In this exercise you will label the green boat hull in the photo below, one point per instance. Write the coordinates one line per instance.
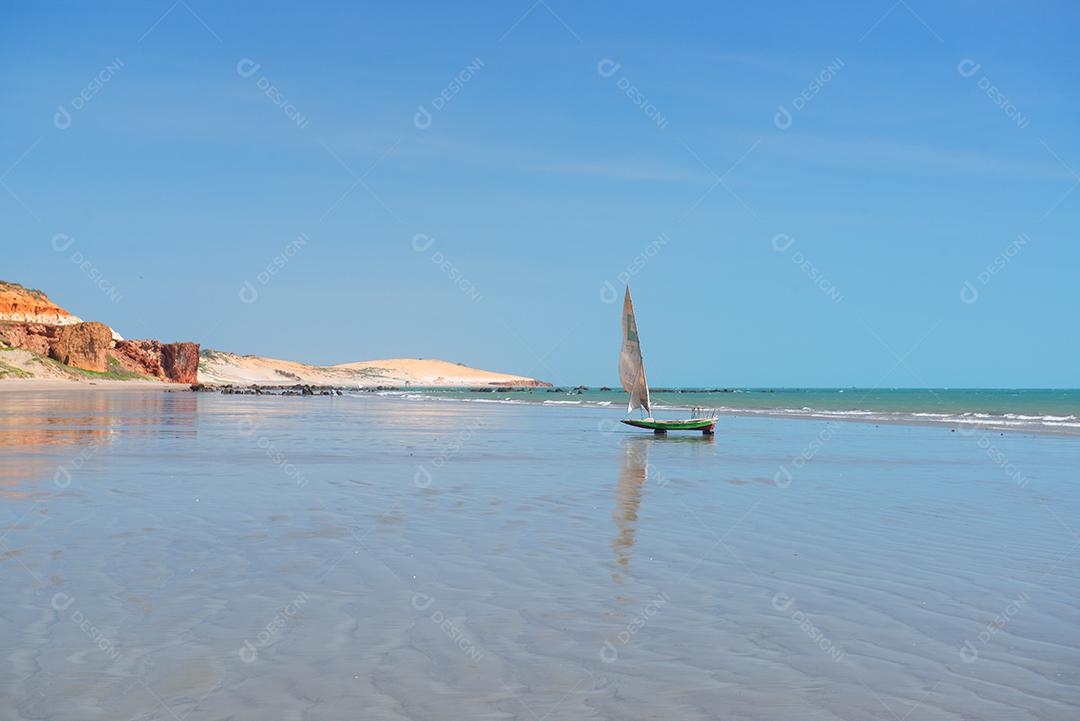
(705, 425)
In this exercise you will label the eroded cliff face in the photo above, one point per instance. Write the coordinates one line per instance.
(176, 362)
(34, 337)
(30, 321)
(83, 345)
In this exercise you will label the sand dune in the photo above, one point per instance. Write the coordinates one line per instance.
(32, 353)
(220, 367)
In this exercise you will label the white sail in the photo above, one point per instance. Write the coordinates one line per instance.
(631, 367)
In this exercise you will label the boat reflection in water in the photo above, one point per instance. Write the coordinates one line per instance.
(634, 471)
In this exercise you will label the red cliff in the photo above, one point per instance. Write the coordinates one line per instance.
(27, 305)
(83, 345)
(30, 321)
(176, 362)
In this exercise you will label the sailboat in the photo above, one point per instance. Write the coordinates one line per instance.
(632, 376)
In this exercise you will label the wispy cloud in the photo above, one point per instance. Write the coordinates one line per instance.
(883, 154)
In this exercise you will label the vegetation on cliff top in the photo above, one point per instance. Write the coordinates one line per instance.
(17, 286)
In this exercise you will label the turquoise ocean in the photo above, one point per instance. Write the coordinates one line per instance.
(1033, 410)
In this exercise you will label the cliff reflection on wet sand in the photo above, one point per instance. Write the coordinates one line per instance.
(51, 430)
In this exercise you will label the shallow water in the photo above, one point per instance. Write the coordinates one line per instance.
(193, 556)
(1027, 410)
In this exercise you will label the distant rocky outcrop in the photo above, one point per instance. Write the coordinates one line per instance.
(32, 322)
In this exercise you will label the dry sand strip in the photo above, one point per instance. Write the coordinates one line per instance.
(220, 368)
(28, 373)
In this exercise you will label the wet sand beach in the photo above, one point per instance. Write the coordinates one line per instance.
(196, 556)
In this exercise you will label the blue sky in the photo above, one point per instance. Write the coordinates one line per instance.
(926, 156)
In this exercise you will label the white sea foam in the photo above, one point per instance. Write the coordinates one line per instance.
(1005, 421)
